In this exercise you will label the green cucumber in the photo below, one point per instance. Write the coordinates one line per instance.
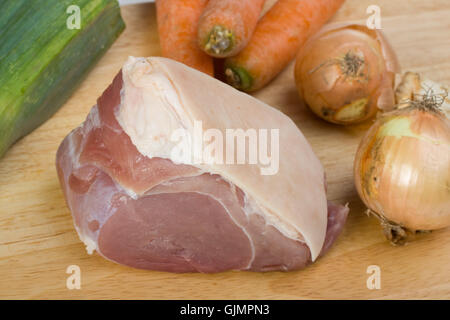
(43, 58)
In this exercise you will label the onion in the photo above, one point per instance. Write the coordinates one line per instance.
(412, 86)
(346, 73)
(402, 167)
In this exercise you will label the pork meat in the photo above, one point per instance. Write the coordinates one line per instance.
(136, 204)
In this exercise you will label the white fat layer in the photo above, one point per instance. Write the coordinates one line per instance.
(150, 116)
(151, 111)
(252, 207)
(90, 244)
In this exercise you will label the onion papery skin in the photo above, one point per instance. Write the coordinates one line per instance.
(402, 169)
(343, 95)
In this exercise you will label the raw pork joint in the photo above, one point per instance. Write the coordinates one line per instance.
(135, 205)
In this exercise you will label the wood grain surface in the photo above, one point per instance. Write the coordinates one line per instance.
(38, 241)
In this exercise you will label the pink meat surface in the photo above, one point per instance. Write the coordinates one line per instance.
(151, 213)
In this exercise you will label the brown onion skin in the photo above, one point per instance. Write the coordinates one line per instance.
(403, 174)
(327, 89)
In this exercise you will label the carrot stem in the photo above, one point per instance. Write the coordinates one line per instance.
(238, 77)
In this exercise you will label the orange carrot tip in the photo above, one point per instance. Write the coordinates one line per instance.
(177, 27)
(220, 41)
(226, 26)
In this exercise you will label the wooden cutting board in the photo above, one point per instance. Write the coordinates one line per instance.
(38, 241)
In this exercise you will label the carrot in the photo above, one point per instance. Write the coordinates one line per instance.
(177, 28)
(226, 26)
(276, 40)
